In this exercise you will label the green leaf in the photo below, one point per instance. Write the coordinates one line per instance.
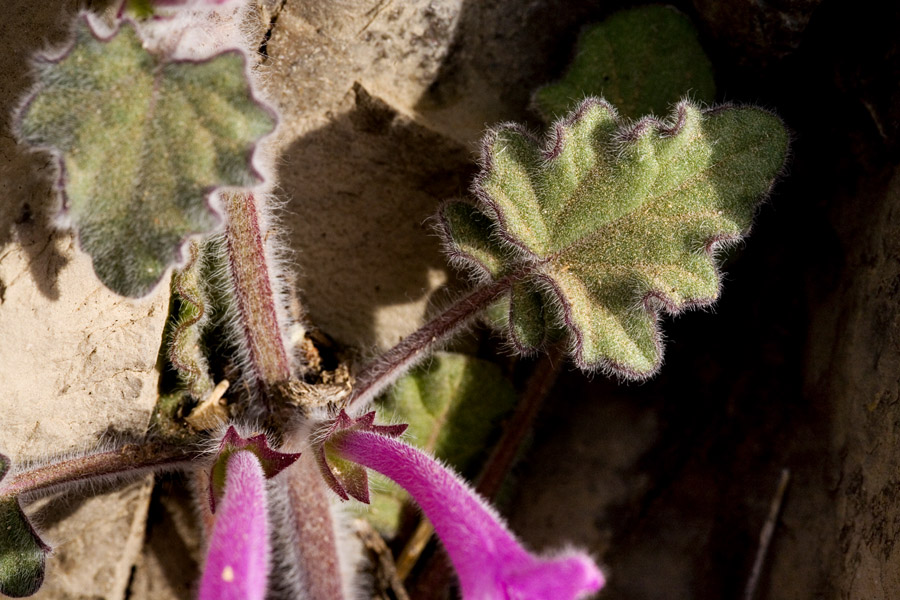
(528, 315)
(614, 222)
(22, 553)
(142, 142)
(642, 60)
(453, 405)
(186, 352)
(473, 244)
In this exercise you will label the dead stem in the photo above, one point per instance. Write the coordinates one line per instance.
(387, 574)
(765, 536)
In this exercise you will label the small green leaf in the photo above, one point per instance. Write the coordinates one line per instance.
(142, 141)
(22, 553)
(453, 405)
(642, 60)
(184, 335)
(615, 222)
(497, 314)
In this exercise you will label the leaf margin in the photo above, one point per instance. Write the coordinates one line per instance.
(654, 303)
(257, 168)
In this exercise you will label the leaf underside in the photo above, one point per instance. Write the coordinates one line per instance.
(22, 553)
(642, 60)
(142, 142)
(607, 223)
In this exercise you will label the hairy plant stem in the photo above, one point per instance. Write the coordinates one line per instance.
(126, 461)
(415, 347)
(309, 540)
(253, 292)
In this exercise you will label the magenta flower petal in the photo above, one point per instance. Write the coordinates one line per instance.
(490, 562)
(237, 562)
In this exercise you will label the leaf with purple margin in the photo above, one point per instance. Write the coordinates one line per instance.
(141, 142)
(474, 247)
(612, 222)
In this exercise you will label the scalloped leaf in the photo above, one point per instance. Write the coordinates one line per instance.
(612, 222)
(142, 142)
(642, 60)
(23, 554)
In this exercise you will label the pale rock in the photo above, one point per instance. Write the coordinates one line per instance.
(76, 361)
(361, 171)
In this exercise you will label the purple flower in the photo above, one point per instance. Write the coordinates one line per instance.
(490, 562)
(346, 478)
(237, 561)
(272, 461)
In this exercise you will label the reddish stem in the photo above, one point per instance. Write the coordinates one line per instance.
(126, 461)
(520, 425)
(313, 545)
(381, 373)
(253, 292)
